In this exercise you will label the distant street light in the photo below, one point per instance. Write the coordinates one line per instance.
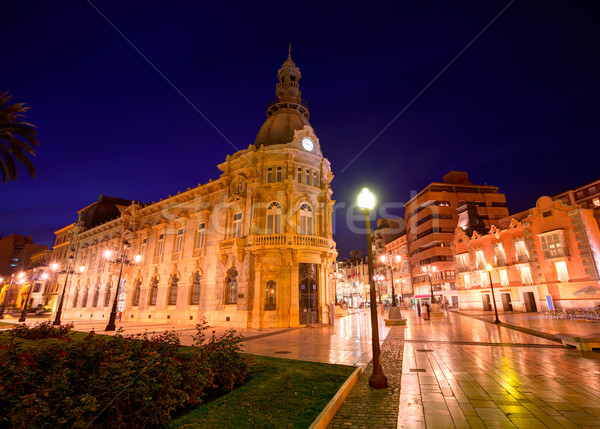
(33, 278)
(387, 260)
(489, 268)
(366, 202)
(67, 270)
(120, 260)
(12, 280)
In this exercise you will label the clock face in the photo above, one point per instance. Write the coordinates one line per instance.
(307, 144)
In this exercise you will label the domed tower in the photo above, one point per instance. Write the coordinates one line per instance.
(290, 234)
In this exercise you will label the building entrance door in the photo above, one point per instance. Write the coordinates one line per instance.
(308, 292)
(487, 303)
(530, 305)
(506, 302)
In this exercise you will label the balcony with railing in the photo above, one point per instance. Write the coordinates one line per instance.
(522, 259)
(462, 268)
(557, 252)
(289, 240)
(500, 262)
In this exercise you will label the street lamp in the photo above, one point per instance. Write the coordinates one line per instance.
(394, 316)
(489, 268)
(67, 270)
(12, 280)
(387, 260)
(366, 202)
(33, 278)
(430, 270)
(119, 260)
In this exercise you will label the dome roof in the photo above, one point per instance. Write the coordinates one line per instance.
(279, 128)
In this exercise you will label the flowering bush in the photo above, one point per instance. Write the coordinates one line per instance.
(41, 331)
(114, 381)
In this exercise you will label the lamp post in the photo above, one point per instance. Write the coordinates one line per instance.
(119, 260)
(489, 268)
(394, 316)
(387, 261)
(12, 280)
(434, 310)
(366, 202)
(67, 270)
(33, 278)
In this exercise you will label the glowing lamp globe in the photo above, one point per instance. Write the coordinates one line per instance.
(488, 267)
(366, 199)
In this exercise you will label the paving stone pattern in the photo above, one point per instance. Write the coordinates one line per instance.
(375, 408)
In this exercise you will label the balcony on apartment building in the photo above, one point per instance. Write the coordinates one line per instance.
(558, 252)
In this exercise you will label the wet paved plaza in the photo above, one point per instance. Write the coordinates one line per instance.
(457, 371)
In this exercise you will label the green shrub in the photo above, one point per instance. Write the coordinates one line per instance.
(114, 381)
(41, 331)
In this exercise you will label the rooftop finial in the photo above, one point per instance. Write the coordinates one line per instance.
(290, 50)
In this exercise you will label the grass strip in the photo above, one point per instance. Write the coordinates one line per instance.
(281, 393)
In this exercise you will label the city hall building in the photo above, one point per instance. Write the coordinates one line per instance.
(252, 248)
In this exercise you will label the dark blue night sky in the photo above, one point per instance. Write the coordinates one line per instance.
(518, 109)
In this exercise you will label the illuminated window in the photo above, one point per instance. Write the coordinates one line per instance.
(307, 176)
(107, 294)
(503, 278)
(195, 295)
(143, 247)
(299, 176)
(201, 237)
(137, 292)
(274, 218)
(561, 270)
(526, 276)
(153, 291)
(305, 220)
(179, 241)
(484, 278)
(553, 244)
(480, 260)
(521, 250)
(596, 202)
(467, 281)
(270, 175)
(231, 287)
(270, 296)
(279, 174)
(499, 255)
(96, 295)
(237, 225)
(173, 290)
(160, 244)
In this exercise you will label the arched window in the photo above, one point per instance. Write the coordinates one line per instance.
(96, 295)
(305, 220)
(274, 218)
(195, 293)
(270, 295)
(76, 297)
(107, 294)
(85, 297)
(137, 291)
(231, 287)
(173, 290)
(153, 290)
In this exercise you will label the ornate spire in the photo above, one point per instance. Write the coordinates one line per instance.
(288, 75)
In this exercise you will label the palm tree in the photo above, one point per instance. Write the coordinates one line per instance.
(17, 139)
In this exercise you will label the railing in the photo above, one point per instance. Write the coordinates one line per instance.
(270, 240)
(559, 252)
(225, 245)
(289, 240)
(197, 252)
(480, 265)
(522, 259)
(174, 256)
(310, 240)
(157, 259)
(500, 262)
(462, 268)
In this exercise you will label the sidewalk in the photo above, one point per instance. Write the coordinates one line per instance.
(537, 322)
